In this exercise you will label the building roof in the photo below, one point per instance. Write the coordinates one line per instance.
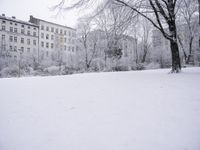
(54, 23)
(13, 19)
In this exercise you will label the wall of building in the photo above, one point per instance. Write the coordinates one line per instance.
(56, 42)
(17, 39)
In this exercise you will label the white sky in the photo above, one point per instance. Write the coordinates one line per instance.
(22, 9)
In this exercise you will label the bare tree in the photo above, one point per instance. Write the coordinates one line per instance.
(102, 22)
(188, 11)
(114, 21)
(199, 22)
(145, 39)
(87, 43)
(164, 12)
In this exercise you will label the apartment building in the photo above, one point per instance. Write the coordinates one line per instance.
(18, 39)
(56, 42)
(98, 39)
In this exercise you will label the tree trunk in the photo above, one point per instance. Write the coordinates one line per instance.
(144, 55)
(183, 48)
(176, 61)
(105, 59)
(190, 51)
(199, 23)
(176, 64)
(136, 53)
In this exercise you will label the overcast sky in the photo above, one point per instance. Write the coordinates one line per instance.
(22, 9)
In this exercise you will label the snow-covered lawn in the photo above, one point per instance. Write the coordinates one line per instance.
(145, 110)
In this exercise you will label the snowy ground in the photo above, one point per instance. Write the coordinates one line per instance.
(147, 110)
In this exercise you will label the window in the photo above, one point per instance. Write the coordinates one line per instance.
(52, 29)
(3, 37)
(34, 42)
(42, 27)
(15, 30)
(61, 39)
(47, 45)
(65, 47)
(22, 26)
(15, 48)
(125, 52)
(61, 31)
(4, 47)
(22, 31)
(65, 40)
(29, 27)
(22, 49)
(47, 53)
(11, 29)
(11, 38)
(4, 28)
(52, 45)
(47, 36)
(15, 39)
(69, 48)
(52, 37)
(15, 24)
(72, 49)
(34, 33)
(47, 28)
(22, 40)
(73, 34)
(28, 33)
(65, 32)
(69, 33)
(56, 30)
(28, 50)
(42, 44)
(11, 23)
(3, 21)
(11, 48)
(34, 28)
(28, 41)
(42, 35)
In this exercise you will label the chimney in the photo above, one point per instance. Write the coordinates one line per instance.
(3, 15)
(33, 20)
(13, 17)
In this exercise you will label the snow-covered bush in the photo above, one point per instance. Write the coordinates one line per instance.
(68, 70)
(9, 72)
(120, 68)
(152, 65)
(53, 70)
(140, 66)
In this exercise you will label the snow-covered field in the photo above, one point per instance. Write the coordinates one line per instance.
(147, 110)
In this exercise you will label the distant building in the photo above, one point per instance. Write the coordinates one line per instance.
(98, 38)
(161, 52)
(35, 41)
(161, 46)
(17, 39)
(128, 46)
(56, 42)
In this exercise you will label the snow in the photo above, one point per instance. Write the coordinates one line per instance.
(144, 110)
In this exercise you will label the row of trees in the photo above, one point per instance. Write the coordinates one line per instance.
(113, 19)
(116, 17)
